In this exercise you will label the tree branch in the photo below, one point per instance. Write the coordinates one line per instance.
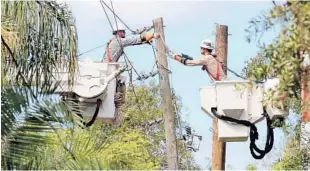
(9, 49)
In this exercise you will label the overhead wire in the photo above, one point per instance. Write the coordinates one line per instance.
(120, 43)
(109, 23)
(131, 84)
(173, 94)
(115, 15)
(91, 50)
(235, 73)
(152, 73)
(126, 61)
(125, 56)
(138, 31)
(254, 134)
(156, 62)
(176, 109)
(153, 49)
(222, 63)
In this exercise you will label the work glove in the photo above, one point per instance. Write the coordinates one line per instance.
(182, 57)
(150, 36)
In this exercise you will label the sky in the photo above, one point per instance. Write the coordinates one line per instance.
(187, 23)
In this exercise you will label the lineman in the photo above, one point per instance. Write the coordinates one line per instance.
(114, 51)
(207, 61)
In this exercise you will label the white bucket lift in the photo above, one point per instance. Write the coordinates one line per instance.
(237, 100)
(93, 80)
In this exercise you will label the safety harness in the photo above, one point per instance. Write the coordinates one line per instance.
(217, 77)
(118, 83)
(108, 51)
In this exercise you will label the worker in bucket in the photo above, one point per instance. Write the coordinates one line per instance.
(115, 45)
(114, 51)
(208, 61)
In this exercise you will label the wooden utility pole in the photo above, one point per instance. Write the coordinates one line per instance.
(219, 148)
(166, 96)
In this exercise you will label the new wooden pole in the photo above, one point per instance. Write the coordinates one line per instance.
(219, 148)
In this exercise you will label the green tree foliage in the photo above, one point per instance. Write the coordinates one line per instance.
(251, 167)
(24, 127)
(283, 59)
(41, 132)
(291, 159)
(139, 143)
(34, 37)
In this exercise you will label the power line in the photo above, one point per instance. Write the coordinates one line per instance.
(109, 23)
(115, 15)
(176, 110)
(91, 50)
(156, 63)
(126, 58)
(120, 41)
(122, 48)
(222, 63)
(172, 92)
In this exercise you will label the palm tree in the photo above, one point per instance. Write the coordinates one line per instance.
(36, 38)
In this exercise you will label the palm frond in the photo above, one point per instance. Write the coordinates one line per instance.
(25, 124)
(41, 36)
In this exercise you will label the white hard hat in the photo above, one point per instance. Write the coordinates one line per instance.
(207, 43)
(118, 27)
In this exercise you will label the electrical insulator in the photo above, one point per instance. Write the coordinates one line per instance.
(188, 130)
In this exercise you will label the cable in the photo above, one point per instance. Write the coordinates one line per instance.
(253, 134)
(125, 55)
(117, 37)
(173, 94)
(109, 23)
(120, 43)
(93, 119)
(157, 62)
(177, 114)
(126, 58)
(91, 50)
(236, 74)
(215, 59)
(115, 15)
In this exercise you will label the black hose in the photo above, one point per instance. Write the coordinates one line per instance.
(93, 119)
(253, 134)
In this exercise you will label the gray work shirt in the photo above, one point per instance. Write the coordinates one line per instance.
(115, 48)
